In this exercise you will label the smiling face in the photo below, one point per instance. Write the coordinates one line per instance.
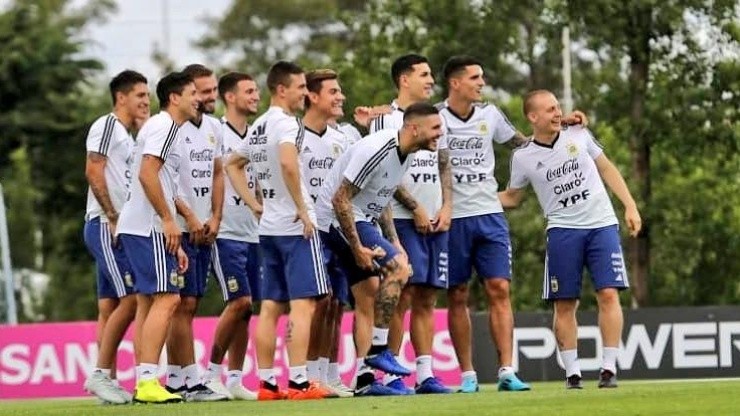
(329, 100)
(426, 131)
(245, 97)
(207, 92)
(468, 84)
(419, 82)
(187, 102)
(135, 101)
(545, 114)
(294, 93)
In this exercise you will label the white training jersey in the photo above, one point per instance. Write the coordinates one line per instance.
(422, 179)
(374, 165)
(565, 178)
(320, 151)
(200, 146)
(238, 221)
(158, 137)
(470, 142)
(262, 147)
(109, 137)
(350, 132)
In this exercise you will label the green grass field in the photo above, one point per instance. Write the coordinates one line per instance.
(721, 397)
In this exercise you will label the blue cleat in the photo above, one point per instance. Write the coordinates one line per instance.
(399, 386)
(469, 385)
(432, 386)
(510, 382)
(386, 363)
(376, 389)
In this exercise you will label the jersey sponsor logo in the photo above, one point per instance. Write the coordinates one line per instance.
(259, 157)
(316, 182)
(429, 161)
(205, 155)
(268, 193)
(470, 177)
(424, 177)
(264, 176)
(201, 173)
(477, 159)
(577, 181)
(386, 192)
(465, 143)
(321, 163)
(570, 165)
(258, 136)
(574, 199)
(375, 208)
(201, 191)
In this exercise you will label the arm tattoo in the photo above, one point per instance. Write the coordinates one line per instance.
(445, 175)
(517, 140)
(98, 185)
(342, 202)
(386, 224)
(405, 198)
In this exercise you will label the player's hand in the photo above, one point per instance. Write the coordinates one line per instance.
(421, 220)
(443, 220)
(365, 257)
(257, 210)
(364, 115)
(196, 229)
(112, 224)
(308, 227)
(182, 261)
(172, 236)
(633, 220)
(576, 117)
(210, 230)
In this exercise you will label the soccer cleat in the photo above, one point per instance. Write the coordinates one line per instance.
(312, 392)
(469, 385)
(180, 391)
(239, 392)
(607, 379)
(386, 362)
(124, 394)
(432, 385)
(399, 386)
(217, 386)
(201, 393)
(328, 391)
(573, 382)
(376, 389)
(510, 382)
(340, 389)
(269, 392)
(103, 388)
(150, 391)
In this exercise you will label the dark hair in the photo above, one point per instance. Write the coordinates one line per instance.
(279, 74)
(315, 79)
(527, 101)
(421, 109)
(455, 65)
(172, 83)
(124, 82)
(197, 71)
(404, 65)
(228, 82)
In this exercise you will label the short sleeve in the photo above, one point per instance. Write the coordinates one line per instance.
(503, 130)
(100, 135)
(290, 130)
(363, 164)
(442, 143)
(160, 138)
(518, 178)
(593, 147)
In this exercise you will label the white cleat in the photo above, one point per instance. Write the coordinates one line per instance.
(340, 389)
(202, 393)
(239, 392)
(218, 387)
(124, 394)
(102, 387)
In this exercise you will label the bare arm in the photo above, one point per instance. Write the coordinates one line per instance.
(444, 217)
(403, 196)
(518, 139)
(614, 180)
(386, 224)
(342, 202)
(217, 199)
(292, 177)
(149, 178)
(235, 171)
(511, 197)
(95, 174)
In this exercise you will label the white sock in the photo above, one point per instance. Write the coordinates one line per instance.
(323, 369)
(312, 370)
(570, 361)
(332, 374)
(380, 336)
(214, 371)
(191, 375)
(423, 368)
(472, 375)
(505, 371)
(610, 359)
(267, 375)
(298, 374)
(105, 371)
(145, 372)
(175, 378)
(233, 377)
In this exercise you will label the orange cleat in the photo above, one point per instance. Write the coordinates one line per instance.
(267, 392)
(313, 392)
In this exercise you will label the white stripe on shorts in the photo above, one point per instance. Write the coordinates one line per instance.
(219, 271)
(160, 261)
(318, 264)
(114, 274)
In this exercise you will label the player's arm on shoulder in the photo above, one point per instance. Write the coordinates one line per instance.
(95, 174)
(511, 197)
(615, 181)
(517, 140)
(576, 117)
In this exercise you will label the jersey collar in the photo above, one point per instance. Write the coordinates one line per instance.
(549, 146)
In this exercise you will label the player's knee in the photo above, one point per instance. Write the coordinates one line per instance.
(497, 290)
(608, 298)
(457, 296)
(241, 305)
(187, 306)
(424, 299)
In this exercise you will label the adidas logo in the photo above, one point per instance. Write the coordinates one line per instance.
(187, 140)
(306, 150)
(540, 165)
(385, 175)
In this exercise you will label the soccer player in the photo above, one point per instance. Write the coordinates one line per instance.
(149, 234)
(422, 210)
(199, 203)
(322, 145)
(293, 272)
(479, 234)
(567, 169)
(110, 149)
(236, 254)
(356, 196)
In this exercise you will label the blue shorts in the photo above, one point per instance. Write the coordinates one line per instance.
(155, 270)
(113, 270)
(427, 254)
(293, 268)
(481, 241)
(237, 266)
(569, 249)
(199, 261)
(337, 276)
(369, 237)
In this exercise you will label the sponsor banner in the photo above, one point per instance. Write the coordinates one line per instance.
(656, 343)
(53, 360)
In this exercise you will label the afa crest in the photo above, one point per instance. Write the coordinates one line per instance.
(232, 284)
(173, 278)
(572, 149)
(554, 284)
(127, 280)
(211, 138)
(483, 127)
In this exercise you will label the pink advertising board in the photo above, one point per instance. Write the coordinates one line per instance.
(53, 360)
